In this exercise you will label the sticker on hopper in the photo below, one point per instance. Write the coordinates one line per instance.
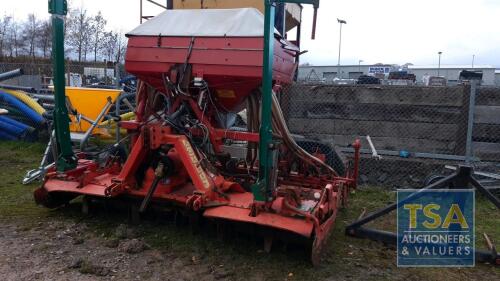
(226, 94)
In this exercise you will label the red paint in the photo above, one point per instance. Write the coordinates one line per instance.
(225, 63)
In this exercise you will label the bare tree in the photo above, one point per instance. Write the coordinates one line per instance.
(84, 34)
(110, 45)
(121, 46)
(45, 38)
(78, 31)
(98, 26)
(30, 34)
(87, 46)
(16, 43)
(4, 33)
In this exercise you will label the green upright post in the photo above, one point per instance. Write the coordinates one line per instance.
(66, 158)
(260, 190)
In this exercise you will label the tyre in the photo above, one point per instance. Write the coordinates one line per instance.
(333, 157)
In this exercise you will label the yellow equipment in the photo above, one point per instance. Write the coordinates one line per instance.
(88, 102)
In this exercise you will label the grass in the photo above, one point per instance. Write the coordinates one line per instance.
(346, 257)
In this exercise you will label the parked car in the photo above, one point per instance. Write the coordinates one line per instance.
(367, 80)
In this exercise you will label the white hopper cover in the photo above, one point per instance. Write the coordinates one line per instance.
(246, 22)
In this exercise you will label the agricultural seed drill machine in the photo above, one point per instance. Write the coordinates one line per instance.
(196, 68)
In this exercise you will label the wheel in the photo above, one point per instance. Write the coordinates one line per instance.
(435, 178)
(333, 157)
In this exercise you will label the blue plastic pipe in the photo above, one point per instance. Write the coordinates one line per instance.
(13, 122)
(6, 136)
(30, 113)
(11, 129)
(16, 129)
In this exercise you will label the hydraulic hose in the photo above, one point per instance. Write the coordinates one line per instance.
(282, 130)
(111, 122)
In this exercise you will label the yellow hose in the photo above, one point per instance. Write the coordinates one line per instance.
(125, 116)
(26, 100)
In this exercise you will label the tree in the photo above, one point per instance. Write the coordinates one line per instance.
(45, 38)
(4, 33)
(16, 43)
(78, 31)
(98, 26)
(110, 40)
(30, 34)
(84, 34)
(121, 46)
(87, 44)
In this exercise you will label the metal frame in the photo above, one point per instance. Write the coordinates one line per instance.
(143, 17)
(37, 174)
(94, 123)
(382, 152)
(462, 177)
(470, 122)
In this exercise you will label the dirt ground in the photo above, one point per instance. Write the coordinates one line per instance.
(57, 250)
(64, 244)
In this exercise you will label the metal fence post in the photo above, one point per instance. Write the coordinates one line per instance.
(68, 72)
(117, 75)
(470, 121)
(105, 72)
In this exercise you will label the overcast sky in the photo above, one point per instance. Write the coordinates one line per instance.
(387, 31)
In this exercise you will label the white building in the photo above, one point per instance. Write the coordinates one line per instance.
(452, 72)
(328, 72)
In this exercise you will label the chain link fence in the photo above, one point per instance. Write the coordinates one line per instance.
(40, 75)
(408, 133)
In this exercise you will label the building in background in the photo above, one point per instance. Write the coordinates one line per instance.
(328, 72)
(450, 72)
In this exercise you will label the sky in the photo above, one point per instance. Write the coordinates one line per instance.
(382, 31)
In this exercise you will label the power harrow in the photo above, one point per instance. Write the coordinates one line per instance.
(196, 70)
